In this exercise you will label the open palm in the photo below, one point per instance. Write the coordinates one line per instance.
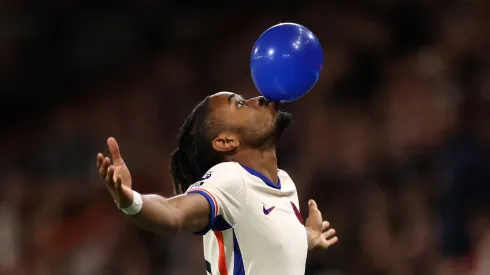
(116, 176)
(318, 235)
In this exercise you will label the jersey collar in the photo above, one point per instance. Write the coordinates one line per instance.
(263, 178)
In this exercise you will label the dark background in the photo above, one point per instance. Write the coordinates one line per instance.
(393, 142)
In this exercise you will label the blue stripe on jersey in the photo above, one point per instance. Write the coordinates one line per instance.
(212, 207)
(262, 177)
(208, 267)
(238, 269)
(220, 224)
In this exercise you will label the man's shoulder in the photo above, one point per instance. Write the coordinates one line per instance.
(282, 173)
(226, 169)
(286, 181)
(222, 174)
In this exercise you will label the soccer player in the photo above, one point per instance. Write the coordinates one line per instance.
(229, 189)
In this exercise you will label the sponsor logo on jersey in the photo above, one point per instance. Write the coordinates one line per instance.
(197, 184)
(207, 175)
(267, 211)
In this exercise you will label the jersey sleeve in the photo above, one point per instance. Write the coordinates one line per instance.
(224, 188)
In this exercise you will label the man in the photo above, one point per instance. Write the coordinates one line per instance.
(229, 189)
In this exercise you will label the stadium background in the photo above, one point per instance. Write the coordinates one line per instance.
(393, 142)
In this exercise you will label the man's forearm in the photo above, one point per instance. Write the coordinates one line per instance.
(156, 215)
(167, 215)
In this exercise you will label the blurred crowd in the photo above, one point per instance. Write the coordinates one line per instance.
(393, 142)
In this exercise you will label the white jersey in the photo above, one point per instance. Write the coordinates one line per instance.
(255, 226)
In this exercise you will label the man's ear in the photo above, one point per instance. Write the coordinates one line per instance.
(226, 142)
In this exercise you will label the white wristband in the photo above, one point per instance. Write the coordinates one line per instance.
(136, 206)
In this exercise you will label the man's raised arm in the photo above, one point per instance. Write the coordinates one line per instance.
(189, 212)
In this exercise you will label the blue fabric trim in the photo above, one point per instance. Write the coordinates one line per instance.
(212, 206)
(265, 179)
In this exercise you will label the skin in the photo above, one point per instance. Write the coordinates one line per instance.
(190, 212)
(258, 119)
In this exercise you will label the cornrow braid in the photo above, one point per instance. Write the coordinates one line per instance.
(195, 154)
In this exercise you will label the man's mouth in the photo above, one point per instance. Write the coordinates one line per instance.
(267, 103)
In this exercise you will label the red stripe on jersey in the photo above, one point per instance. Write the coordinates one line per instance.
(221, 256)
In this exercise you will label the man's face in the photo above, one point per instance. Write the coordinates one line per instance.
(256, 121)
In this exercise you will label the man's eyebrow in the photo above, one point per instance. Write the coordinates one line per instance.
(230, 98)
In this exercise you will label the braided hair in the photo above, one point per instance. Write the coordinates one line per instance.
(195, 154)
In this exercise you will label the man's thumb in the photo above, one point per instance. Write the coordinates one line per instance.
(313, 207)
(114, 149)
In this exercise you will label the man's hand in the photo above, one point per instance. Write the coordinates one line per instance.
(316, 228)
(160, 215)
(117, 177)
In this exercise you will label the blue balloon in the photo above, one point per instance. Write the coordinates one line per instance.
(286, 62)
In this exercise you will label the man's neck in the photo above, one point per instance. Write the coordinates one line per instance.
(264, 162)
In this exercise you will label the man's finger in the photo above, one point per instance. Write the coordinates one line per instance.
(109, 177)
(312, 204)
(325, 225)
(332, 241)
(100, 159)
(328, 234)
(314, 212)
(103, 168)
(328, 243)
(114, 149)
